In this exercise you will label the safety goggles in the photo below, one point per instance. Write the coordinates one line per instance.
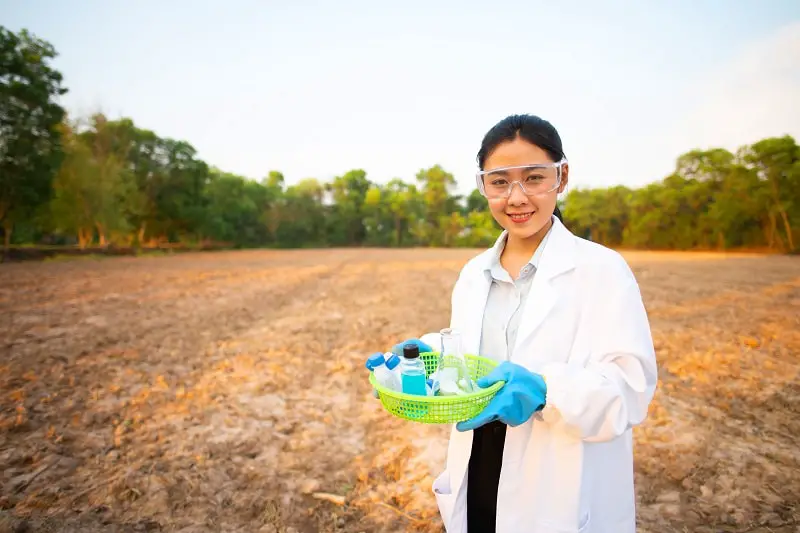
(534, 180)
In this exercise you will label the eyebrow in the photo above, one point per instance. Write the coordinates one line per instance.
(504, 171)
(499, 172)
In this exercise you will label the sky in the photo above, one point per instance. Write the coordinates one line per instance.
(314, 89)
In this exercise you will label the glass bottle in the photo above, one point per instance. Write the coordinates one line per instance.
(412, 371)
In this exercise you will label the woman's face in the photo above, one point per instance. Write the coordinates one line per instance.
(524, 216)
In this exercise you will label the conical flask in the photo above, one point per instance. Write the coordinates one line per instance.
(452, 363)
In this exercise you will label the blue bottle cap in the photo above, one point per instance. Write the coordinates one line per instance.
(392, 362)
(375, 360)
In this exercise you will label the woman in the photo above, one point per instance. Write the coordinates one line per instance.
(552, 452)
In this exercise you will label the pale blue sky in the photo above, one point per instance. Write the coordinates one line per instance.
(317, 88)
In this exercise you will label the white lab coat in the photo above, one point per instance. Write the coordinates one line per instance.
(584, 328)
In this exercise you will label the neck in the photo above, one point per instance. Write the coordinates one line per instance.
(526, 247)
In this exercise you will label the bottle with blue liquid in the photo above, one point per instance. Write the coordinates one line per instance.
(412, 372)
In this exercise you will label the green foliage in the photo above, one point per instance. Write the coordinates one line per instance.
(30, 141)
(714, 200)
(112, 182)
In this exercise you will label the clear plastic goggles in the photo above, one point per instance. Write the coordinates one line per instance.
(533, 179)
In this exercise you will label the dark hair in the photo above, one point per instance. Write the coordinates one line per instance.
(533, 129)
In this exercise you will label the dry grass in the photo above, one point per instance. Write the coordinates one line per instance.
(226, 392)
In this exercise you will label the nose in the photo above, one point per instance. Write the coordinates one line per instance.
(517, 195)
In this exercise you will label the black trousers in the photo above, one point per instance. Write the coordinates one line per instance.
(483, 477)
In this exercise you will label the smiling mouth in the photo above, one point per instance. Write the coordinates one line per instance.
(520, 217)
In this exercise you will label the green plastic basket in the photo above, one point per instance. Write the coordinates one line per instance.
(440, 409)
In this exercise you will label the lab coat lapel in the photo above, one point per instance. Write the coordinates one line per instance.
(475, 294)
(557, 258)
(470, 303)
(473, 313)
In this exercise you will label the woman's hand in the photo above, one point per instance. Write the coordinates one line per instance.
(523, 394)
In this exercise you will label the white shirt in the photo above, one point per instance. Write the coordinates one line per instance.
(506, 302)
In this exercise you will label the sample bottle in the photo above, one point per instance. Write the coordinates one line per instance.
(383, 369)
(393, 376)
(412, 371)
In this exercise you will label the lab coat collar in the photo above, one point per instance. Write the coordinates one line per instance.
(554, 256)
(495, 269)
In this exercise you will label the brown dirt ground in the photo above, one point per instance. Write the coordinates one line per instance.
(223, 391)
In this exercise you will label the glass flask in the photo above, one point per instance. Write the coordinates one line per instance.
(452, 366)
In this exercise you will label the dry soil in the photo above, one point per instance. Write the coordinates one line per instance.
(226, 392)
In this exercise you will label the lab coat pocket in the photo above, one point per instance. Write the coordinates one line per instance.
(551, 527)
(445, 498)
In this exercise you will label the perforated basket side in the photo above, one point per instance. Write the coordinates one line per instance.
(440, 409)
(444, 410)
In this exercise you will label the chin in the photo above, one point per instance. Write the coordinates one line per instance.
(528, 229)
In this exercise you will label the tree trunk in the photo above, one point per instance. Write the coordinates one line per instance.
(7, 227)
(101, 235)
(775, 236)
(140, 235)
(782, 211)
(398, 235)
(771, 230)
(84, 238)
(765, 231)
(788, 229)
(273, 221)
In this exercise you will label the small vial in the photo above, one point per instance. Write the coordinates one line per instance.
(412, 371)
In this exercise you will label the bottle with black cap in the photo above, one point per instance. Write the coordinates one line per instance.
(412, 371)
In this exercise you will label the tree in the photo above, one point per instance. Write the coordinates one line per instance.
(274, 183)
(95, 190)
(481, 230)
(147, 167)
(376, 216)
(179, 191)
(303, 222)
(405, 205)
(30, 139)
(475, 202)
(349, 193)
(436, 191)
(114, 186)
(777, 163)
(72, 204)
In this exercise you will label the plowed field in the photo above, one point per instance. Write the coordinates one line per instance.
(226, 391)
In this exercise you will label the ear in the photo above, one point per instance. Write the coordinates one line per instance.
(564, 178)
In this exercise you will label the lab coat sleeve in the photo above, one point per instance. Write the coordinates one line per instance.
(605, 394)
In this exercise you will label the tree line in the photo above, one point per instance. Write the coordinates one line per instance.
(98, 182)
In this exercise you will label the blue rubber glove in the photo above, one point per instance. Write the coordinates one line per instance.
(397, 349)
(523, 394)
